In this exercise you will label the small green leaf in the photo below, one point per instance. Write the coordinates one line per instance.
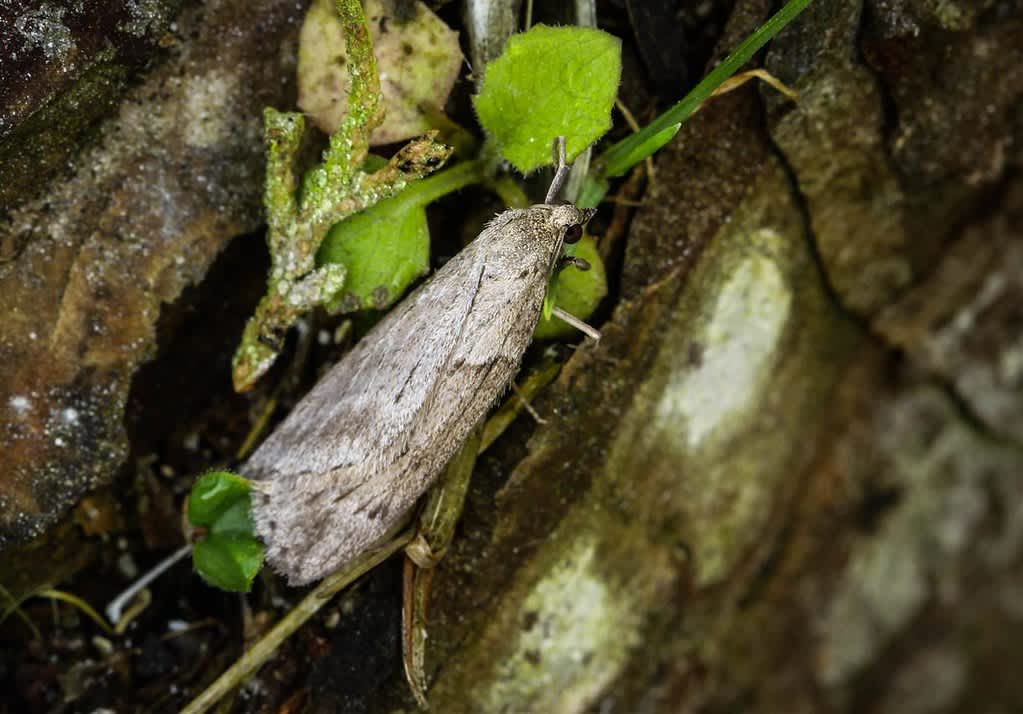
(575, 291)
(550, 82)
(235, 519)
(215, 494)
(229, 562)
(229, 556)
(385, 248)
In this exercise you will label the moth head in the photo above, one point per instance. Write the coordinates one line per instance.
(568, 221)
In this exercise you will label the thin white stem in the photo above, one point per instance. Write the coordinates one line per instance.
(116, 606)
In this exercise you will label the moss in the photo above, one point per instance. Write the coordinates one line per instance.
(38, 148)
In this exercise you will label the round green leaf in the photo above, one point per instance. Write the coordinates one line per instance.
(235, 519)
(575, 291)
(228, 562)
(385, 249)
(213, 495)
(550, 82)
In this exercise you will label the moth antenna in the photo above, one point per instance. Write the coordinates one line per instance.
(560, 173)
(591, 332)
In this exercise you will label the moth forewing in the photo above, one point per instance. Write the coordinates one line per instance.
(345, 468)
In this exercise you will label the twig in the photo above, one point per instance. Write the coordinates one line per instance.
(252, 660)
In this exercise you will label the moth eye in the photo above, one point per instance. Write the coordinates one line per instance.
(573, 234)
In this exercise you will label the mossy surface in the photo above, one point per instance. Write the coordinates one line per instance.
(91, 259)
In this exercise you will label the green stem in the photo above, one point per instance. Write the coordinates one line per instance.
(479, 170)
(510, 192)
(630, 151)
(429, 189)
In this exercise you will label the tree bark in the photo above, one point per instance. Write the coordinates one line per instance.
(789, 476)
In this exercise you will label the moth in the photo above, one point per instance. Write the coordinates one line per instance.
(343, 471)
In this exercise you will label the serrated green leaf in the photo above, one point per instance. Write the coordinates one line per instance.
(229, 562)
(550, 82)
(575, 291)
(385, 249)
(213, 494)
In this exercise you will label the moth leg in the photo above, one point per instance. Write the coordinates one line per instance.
(591, 332)
(436, 530)
(524, 401)
(578, 263)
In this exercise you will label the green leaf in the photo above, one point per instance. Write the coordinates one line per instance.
(214, 495)
(576, 291)
(550, 82)
(229, 562)
(229, 556)
(385, 249)
(235, 519)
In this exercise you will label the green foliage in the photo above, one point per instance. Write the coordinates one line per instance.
(228, 562)
(630, 151)
(331, 191)
(550, 82)
(575, 291)
(384, 248)
(229, 556)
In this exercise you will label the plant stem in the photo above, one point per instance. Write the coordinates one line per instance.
(309, 606)
(429, 189)
(621, 157)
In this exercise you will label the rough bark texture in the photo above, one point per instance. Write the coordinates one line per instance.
(138, 216)
(789, 478)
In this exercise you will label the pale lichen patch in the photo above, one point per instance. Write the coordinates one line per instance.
(208, 108)
(737, 342)
(20, 404)
(43, 28)
(565, 655)
(735, 383)
(146, 16)
(947, 475)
